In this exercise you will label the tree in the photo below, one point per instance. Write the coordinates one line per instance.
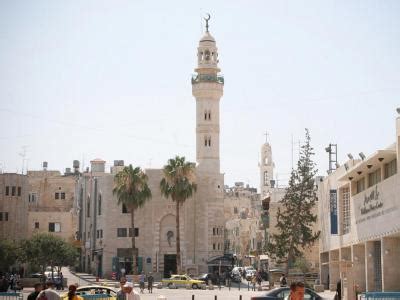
(179, 184)
(8, 254)
(45, 249)
(295, 217)
(131, 189)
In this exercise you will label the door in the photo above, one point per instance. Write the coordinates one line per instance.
(100, 266)
(169, 265)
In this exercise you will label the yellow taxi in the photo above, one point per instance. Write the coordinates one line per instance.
(103, 292)
(185, 281)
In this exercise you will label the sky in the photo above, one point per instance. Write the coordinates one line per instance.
(111, 80)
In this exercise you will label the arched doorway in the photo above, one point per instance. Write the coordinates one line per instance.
(168, 245)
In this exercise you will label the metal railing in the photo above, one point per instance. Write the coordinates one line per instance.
(11, 296)
(379, 295)
(207, 78)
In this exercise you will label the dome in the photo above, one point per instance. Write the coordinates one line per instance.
(207, 38)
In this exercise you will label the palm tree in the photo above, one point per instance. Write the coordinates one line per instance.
(131, 189)
(179, 184)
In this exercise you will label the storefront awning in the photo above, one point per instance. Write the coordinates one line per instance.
(224, 260)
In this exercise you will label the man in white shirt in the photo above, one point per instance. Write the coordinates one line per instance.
(130, 293)
(49, 293)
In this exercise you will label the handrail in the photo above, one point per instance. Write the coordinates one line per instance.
(196, 78)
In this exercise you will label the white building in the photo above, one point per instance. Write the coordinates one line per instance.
(359, 213)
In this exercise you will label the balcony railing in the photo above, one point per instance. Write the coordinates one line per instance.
(207, 78)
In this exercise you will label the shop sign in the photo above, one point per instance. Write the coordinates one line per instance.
(371, 201)
(333, 211)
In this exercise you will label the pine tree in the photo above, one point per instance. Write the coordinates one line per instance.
(295, 218)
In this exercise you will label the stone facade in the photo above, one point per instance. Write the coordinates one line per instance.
(50, 203)
(13, 206)
(243, 236)
(359, 211)
(104, 233)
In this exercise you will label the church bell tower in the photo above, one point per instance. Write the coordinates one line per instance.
(207, 88)
(266, 169)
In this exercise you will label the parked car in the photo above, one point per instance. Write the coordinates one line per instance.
(206, 277)
(177, 281)
(93, 290)
(250, 273)
(283, 294)
(236, 277)
(36, 275)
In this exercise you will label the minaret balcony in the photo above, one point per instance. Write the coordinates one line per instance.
(197, 78)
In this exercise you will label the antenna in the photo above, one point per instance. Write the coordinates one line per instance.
(23, 155)
(292, 150)
(332, 150)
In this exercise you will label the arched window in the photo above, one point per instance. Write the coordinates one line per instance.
(209, 142)
(209, 115)
(205, 141)
(205, 115)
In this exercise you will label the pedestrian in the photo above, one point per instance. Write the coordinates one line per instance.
(253, 282)
(3, 284)
(49, 293)
(61, 281)
(339, 290)
(282, 280)
(150, 281)
(130, 293)
(258, 277)
(297, 291)
(142, 279)
(120, 293)
(38, 288)
(12, 282)
(72, 293)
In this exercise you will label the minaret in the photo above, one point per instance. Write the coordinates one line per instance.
(266, 169)
(207, 88)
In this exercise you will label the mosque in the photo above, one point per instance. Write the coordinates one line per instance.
(104, 226)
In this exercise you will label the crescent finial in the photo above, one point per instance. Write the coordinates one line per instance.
(207, 19)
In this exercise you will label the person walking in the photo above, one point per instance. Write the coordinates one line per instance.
(49, 293)
(339, 290)
(3, 284)
(253, 282)
(72, 293)
(297, 291)
(61, 281)
(282, 280)
(120, 294)
(130, 293)
(38, 288)
(142, 279)
(150, 281)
